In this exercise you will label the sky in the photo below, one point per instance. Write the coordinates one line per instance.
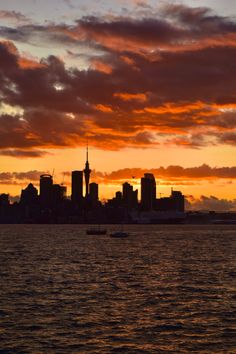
(151, 85)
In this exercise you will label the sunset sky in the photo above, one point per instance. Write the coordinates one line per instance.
(150, 84)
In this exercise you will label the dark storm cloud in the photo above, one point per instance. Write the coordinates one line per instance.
(146, 30)
(201, 20)
(176, 26)
(228, 138)
(172, 25)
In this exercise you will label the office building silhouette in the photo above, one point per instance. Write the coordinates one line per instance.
(45, 185)
(29, 195)
(58, 194)
(93, 192)
(177, 199)
(130, 197)
(148, 192)
(77, 186)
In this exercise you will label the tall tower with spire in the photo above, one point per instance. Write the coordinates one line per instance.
(87, 172)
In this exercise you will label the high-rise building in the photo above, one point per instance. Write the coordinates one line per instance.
(127, 192)
(29, 202)
(173, 203)
(177, 199)
(58, 194)
(77, 186)
(148, 192)
(4, 208)
(135, 199)
(4, 200)
(93, 192)
(87, 172)
(118, 196)
(29, 195)
(130, 197)
(46, 182)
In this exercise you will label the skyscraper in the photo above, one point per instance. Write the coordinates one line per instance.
(177, 199)
(58, 194)
(127, 192)
(87, 172)
(77, 186)
(130, 197)
(93, 192)
(148, 192)
(29, 195)
(46, 182)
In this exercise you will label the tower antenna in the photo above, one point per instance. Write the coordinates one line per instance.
(87, 151)
(87, 172)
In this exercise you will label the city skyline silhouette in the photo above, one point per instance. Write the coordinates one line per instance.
(51, 204)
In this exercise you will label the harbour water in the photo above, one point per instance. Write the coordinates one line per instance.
(164, 289)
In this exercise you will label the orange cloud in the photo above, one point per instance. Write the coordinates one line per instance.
(125, 96)
(25, 63)
(127, 60)
(103, 108)
(175, 109)
(101, 66)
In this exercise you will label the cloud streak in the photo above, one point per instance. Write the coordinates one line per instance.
(14, 16)
(169, 173)
(19, 178)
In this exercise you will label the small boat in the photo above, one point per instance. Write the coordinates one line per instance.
(96, 232)
(119, 234)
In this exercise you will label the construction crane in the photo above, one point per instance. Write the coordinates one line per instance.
(63, 178)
